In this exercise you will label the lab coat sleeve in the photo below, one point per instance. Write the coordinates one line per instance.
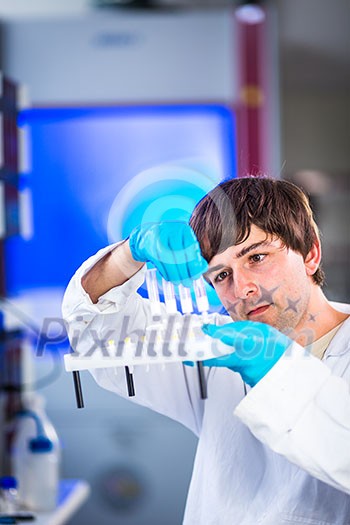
(171, 390)
(302, 411)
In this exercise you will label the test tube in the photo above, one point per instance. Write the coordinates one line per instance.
(187, 307)
(201, 295)
(152, 288)
(203, 307)
(185, 299)
(169, 296)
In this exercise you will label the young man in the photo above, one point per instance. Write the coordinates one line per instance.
(274, 433)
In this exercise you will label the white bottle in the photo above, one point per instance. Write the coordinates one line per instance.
(36, 458)
(39, 477)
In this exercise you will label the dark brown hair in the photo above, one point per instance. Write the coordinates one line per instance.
(225, 215)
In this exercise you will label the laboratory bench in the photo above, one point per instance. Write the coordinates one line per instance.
(72, 494)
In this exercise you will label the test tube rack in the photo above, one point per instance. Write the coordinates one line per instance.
(174, 335)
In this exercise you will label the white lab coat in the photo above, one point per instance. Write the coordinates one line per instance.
(279, 455)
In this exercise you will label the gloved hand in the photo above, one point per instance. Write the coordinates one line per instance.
(173, 249)
(256, 348)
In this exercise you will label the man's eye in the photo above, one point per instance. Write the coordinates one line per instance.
(220, 277)
(258, 257)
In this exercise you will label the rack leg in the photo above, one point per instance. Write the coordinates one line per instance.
(78, 390)
(202, 381)
(129, 382)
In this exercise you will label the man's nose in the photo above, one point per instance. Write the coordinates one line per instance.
(243, 286)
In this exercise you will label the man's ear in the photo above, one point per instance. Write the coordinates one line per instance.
(313, 258)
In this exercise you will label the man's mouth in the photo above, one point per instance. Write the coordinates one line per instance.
(259, 310)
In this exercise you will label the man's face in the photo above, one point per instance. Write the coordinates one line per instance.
(261, 280)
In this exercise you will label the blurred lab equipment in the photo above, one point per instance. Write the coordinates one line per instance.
(15, 366)
(16, 352)
(35, 456)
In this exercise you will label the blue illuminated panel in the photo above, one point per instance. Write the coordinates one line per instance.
(83, 160)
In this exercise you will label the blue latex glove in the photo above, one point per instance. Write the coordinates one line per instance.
(173, 249)
(257, 347)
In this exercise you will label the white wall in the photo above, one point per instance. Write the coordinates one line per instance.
(15, 8)
(122, 56)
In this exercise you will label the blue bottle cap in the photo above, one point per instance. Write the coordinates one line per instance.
(8, 482)
(40, 444)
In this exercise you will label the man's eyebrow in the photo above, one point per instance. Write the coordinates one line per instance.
(243, 252)
(212, 269)
(252, 247)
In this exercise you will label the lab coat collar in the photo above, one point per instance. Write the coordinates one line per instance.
(340, 343)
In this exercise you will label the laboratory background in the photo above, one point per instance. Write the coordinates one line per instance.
(116, 111)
